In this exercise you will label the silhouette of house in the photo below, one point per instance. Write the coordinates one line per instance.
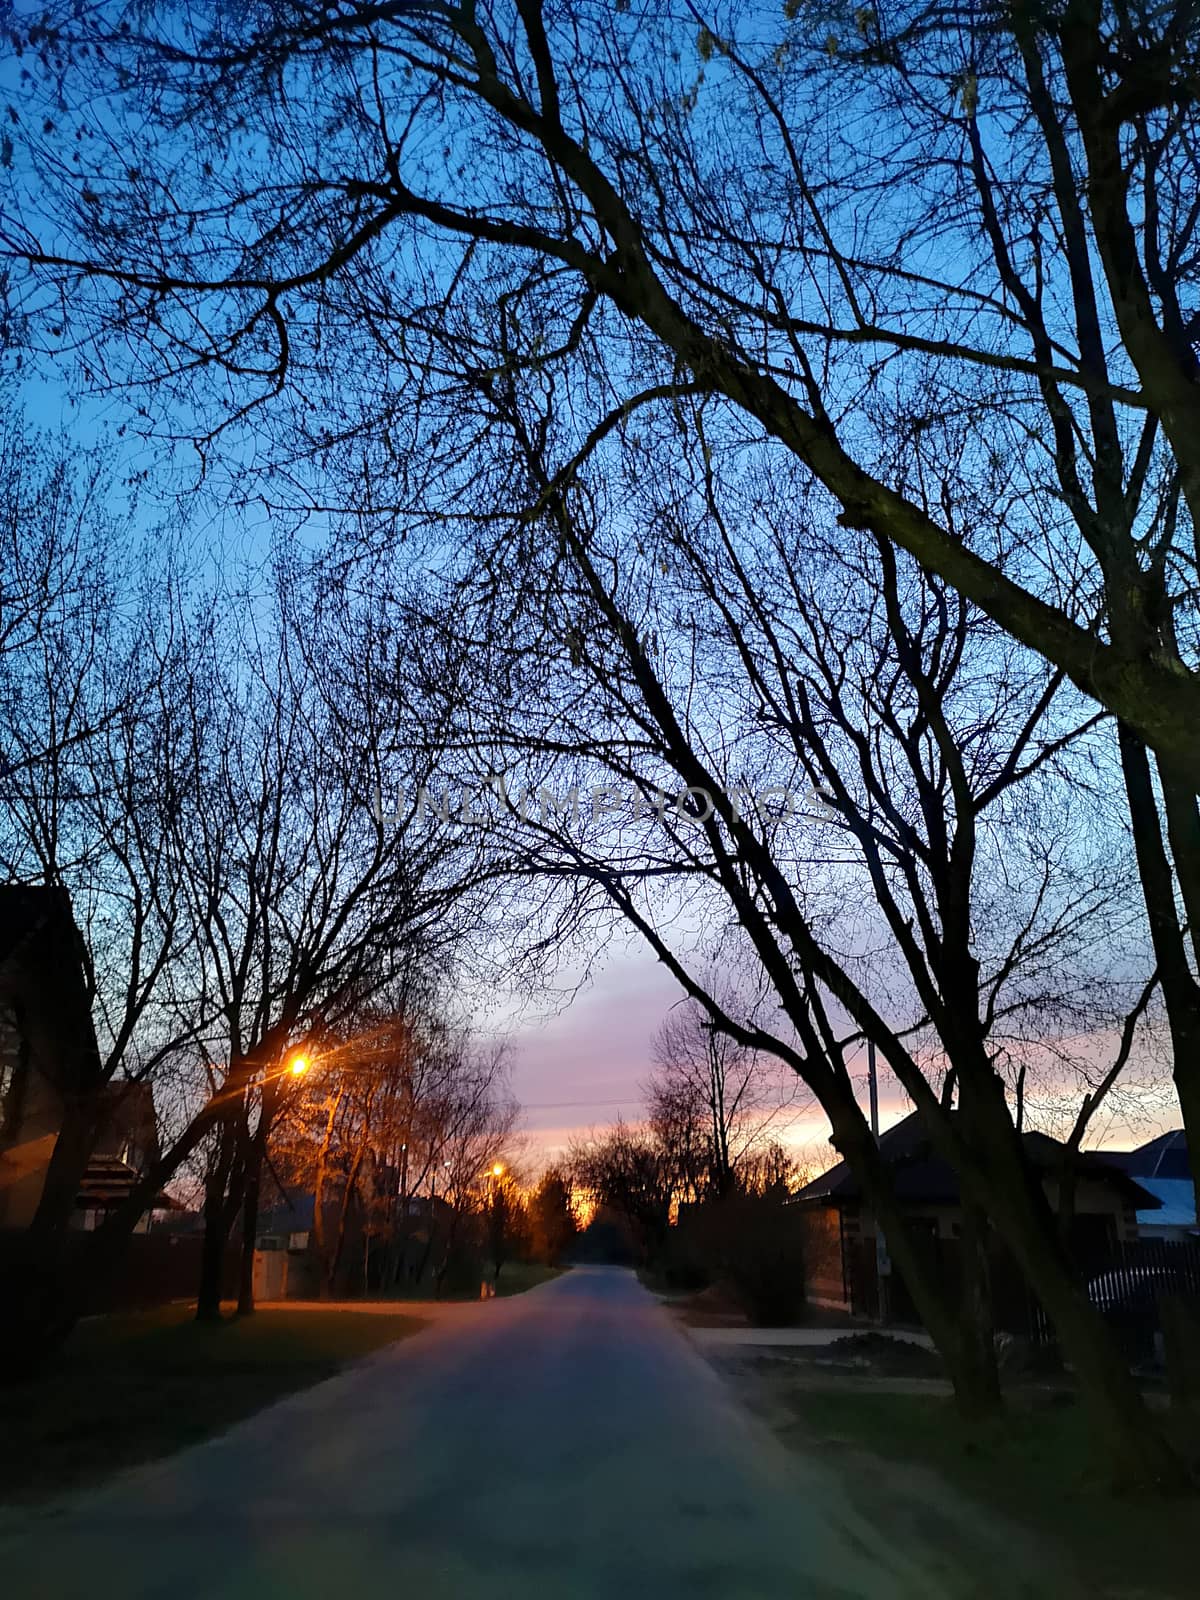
(840, 1229)
(287, 1263)
(126, 1148)
(49, 1059)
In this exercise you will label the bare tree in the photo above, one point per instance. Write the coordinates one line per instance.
(666, 171)
(710, 1097)
(929, 724)
(307, 903)
(298, 900)
(505, 1219)
(358, 1132)
(662, 218)
(476, 1137)
(88, 675)
(670, 206)
(628, 1171)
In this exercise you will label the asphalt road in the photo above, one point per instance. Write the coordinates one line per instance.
(565, 1443)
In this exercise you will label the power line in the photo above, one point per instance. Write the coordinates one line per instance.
(569, 1105)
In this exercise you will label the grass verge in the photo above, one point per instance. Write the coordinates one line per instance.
(518, 1276)
(1036, 1466)
(130, 1388)
(515, 1278)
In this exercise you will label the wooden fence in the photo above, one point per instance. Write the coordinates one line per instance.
(154, 1269)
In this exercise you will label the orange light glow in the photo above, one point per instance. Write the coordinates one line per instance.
(498, 1170)
(298, 1066)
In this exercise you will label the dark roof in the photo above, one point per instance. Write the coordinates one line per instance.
(1164, 1157)
(127, 1116)
(37, 914)
(44, 966)
(919, 1175)
(294, 1215)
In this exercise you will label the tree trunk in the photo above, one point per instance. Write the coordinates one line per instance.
(218, 1223)
(73, 1143)
(223, 1195)
(43, 1299)
(978, 1326)
(1136, 1447)
(45, 1306)
(256, 1150)
(245, 1305)
(320, 1242)
(56, 1286)
(1180, 991)
(968, 1352)
(349, 1193)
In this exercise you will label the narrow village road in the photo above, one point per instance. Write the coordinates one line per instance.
(567, 1442)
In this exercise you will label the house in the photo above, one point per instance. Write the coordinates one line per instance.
(287, 1264)
(47, 1041)
(48, 1058)
(126, 1148)
(1161, 1166)
(840, 1232)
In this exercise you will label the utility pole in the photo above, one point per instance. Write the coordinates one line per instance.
(883, 1265)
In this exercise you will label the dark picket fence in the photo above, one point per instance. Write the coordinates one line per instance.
(1128, 1282)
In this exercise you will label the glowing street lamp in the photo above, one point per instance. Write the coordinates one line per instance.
(498, 1170)
(299, 1065)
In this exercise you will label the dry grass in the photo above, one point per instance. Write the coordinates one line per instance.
(131, 1388)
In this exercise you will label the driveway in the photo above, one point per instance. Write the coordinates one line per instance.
(567, 1442)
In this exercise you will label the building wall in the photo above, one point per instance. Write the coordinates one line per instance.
(37, 1113)
(1095, 1199)
(837, 1242)
(48, 1056)
(1092, 1199)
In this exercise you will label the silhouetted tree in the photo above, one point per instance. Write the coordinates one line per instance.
(552, 1221)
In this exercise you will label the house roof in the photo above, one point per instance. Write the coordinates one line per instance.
(36, 914)
(1177, 1202)
(1164, 1157)
(293, 1215)
(920, 1175)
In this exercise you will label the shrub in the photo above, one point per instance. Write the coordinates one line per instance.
(753, 1243)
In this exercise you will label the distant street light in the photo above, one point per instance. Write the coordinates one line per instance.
(299, 1065)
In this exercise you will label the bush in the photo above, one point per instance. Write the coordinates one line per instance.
(752, 1243)
(682, 1265)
